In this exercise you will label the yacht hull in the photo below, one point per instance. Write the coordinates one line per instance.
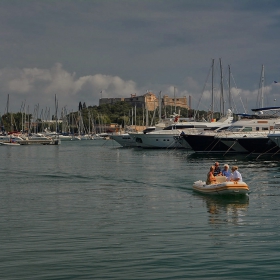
(157, 141)
(206, 143)
(258, 145)
(234, 145)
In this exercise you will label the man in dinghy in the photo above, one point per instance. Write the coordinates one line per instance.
(235, 175)
(217, 170)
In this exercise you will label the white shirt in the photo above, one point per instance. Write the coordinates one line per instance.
(236, 175)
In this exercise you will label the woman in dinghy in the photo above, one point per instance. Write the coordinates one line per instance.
(210, 176)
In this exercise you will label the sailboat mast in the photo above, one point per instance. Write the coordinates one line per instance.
(212, 102)
(175, 99)
(222, 103)
(135, 116)
(88, 122)
(8, 103)
(159, 106)
(22, 114)
(229, 91)
(262, 85)
(56, 107)
(7, 107)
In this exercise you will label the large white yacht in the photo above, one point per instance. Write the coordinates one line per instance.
(247, 135)
(126, 140)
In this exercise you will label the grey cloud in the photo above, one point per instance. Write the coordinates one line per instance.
(130, 46)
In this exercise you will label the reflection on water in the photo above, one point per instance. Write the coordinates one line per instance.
(223, 209)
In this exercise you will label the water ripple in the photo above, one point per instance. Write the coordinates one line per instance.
(89, 211)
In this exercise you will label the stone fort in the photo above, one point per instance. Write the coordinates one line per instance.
(148, 101)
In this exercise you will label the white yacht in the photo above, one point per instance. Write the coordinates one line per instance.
(61, 136)
(10, 138)
(4, 138)
(252, 134)
(247, 135)
(66, 137)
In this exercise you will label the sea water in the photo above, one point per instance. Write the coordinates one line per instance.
(94, 210)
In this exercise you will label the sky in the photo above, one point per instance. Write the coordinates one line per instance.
(82, 50)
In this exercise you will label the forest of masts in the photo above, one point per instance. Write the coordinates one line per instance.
(91, 119)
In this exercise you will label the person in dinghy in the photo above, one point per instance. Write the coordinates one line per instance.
(226, 172)
(217, 169)
(235, 175)
(210, 176)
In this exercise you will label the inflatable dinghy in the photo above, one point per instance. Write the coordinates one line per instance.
(222, 187)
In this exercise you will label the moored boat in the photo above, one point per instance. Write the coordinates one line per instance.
(124, 139)
(222, 187)
(246, 135)
(9, 144)
(168, 137)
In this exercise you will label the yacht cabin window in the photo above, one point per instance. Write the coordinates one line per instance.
(222, 129)
(247, 129)
(235, 128)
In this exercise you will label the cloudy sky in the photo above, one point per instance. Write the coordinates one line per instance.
(75, 49)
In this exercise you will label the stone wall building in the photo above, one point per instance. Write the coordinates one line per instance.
(175, 102)
(149, 101)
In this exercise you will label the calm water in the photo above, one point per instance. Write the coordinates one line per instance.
(92, 210)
